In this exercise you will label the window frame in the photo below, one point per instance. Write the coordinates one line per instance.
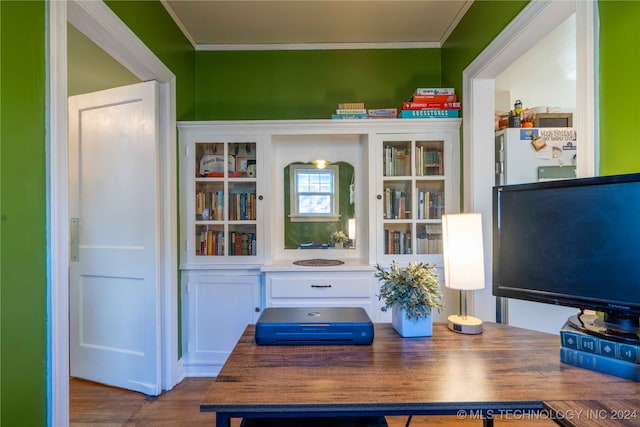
(294, 214)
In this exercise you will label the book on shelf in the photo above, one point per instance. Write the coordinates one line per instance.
(379, 113)
(209, 205)
(434, 98)
(600, 363)
(351, 105)
(397, 242)
(349, 116)
(429, 114)
(209, 242)
(351, 111)
(578, 340)
(242, 206)
(430, 204)
(434, 91)
(436, 105)
(396, 161)
(429, 162)
(396, 204)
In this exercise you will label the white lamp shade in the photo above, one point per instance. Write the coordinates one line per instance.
(463, 253)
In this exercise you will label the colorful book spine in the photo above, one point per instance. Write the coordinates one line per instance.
(578, 340)
(351, 111)
(434, 98)
(599, 363)
(429, 114)
(349, 116)
(351, 105)
(435, 91)
(383, 113)
(437, 105)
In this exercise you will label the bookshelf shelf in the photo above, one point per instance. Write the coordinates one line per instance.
(220, 194)
(415, 189)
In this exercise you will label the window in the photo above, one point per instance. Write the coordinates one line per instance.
(314, 193)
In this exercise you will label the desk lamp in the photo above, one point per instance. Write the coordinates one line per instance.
(463, 264)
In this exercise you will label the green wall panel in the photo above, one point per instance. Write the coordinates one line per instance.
(153, 25)
(619, 86)
(480, 25)
(23, 320)
(307, 84)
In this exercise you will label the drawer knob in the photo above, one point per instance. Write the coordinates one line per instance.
(379, 197)
(320, 286)
(260, 197)
(257, 309)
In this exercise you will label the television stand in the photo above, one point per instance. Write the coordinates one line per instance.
(594, 325)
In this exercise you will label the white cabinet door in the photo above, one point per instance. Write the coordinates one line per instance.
(217, 307)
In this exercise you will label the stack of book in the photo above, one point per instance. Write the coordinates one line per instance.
(599, 354)
(350, 110)
(430, 103)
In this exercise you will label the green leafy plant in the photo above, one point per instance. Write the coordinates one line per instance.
(415, 288)
(339, 237)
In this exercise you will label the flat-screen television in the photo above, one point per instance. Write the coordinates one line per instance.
(574, 243)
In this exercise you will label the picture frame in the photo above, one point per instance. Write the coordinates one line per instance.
(243, 162)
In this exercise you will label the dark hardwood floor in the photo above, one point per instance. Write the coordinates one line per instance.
(97, 405)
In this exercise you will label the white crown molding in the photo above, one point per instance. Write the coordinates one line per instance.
(317, 46)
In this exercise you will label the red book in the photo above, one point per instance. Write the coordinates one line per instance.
(436, 105)
(434, 98)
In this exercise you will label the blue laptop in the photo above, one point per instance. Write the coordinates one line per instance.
(314, 326)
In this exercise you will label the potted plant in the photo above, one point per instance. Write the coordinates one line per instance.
(412, 293)
(339, 239)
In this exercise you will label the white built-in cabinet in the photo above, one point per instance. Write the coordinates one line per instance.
(232, 248)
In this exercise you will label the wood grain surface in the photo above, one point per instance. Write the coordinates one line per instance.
(595, 413)
(503, 369)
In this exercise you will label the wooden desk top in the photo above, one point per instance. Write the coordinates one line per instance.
(504, 368)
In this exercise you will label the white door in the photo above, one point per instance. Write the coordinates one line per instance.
(114, 267)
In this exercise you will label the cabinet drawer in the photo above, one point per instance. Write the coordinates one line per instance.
(320, 286)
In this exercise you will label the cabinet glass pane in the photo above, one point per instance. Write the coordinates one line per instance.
(429, 239)
(397, 238)
(242, 240)
(397, 158)
(209, 159)
(397, 200)
(242, 201)
(209, 201)
(209, 240)
(429, 158)
(242, 160)
(430, 199)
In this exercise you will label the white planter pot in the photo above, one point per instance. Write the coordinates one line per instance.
(410, 327)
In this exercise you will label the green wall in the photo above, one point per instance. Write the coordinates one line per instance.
(619, 86)
(23, 272)
(158, 31)
(480, 25)
(308, 84)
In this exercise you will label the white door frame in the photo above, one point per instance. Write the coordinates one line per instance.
(535, 21)
(98, 22)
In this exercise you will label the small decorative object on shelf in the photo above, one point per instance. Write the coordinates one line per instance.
(339, 239)
(411, 292)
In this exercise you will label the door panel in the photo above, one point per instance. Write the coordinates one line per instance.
(114, 282)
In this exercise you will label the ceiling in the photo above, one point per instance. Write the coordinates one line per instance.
(316, 24)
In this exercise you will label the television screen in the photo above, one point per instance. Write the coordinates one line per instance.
(573, 242)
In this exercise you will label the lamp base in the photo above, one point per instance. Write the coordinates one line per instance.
(465, 325)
